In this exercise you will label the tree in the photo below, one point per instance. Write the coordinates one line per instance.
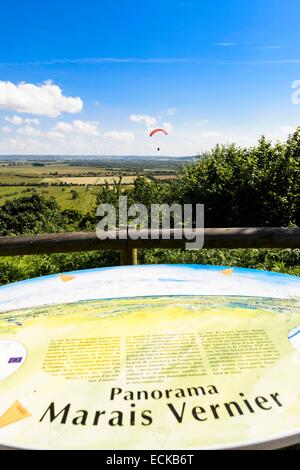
(245, 187)
(30, 214)
(74, 194)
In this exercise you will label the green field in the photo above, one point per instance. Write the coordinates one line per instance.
(85, 201)
(59, 179)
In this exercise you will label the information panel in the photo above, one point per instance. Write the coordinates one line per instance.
(150, 357)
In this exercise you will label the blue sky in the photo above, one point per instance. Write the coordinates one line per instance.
(92, 77)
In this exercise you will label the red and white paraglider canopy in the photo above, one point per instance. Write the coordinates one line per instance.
(155, 131)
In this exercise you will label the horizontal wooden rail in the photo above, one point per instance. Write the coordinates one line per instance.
(261, 237)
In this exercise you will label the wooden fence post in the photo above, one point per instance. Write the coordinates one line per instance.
(128, 257)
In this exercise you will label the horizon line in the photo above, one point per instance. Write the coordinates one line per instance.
(93, 156)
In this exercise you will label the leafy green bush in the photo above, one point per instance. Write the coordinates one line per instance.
(286, 261)
(26, 267)
(259, 186)
(31, 214)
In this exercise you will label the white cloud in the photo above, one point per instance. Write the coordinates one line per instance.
(170, 112)
(116, 136)
(6, 129)
(225, 44)
(260, 62)
(158, 61)
(266, 48)
(78, 127)
(208, 134)
(168, 126)
(209, 138)
(51, 145)
(109, 60)
(63, 127)
(199, 123)
(30, 131)
(287, 130)
(46, 99)
(21, 146)
(54, 135)
(149, 121)
(18, 121)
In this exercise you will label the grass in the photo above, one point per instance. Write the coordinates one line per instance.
(86, 199)
(14, 179)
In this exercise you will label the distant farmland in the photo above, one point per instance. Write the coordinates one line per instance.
(84, 201)
(96, 181)
(74, 184)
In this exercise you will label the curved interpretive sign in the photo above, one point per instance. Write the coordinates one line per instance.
(150, 357)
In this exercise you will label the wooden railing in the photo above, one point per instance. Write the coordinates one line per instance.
(247, 237)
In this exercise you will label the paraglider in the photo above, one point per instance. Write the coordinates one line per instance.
(156, 131)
